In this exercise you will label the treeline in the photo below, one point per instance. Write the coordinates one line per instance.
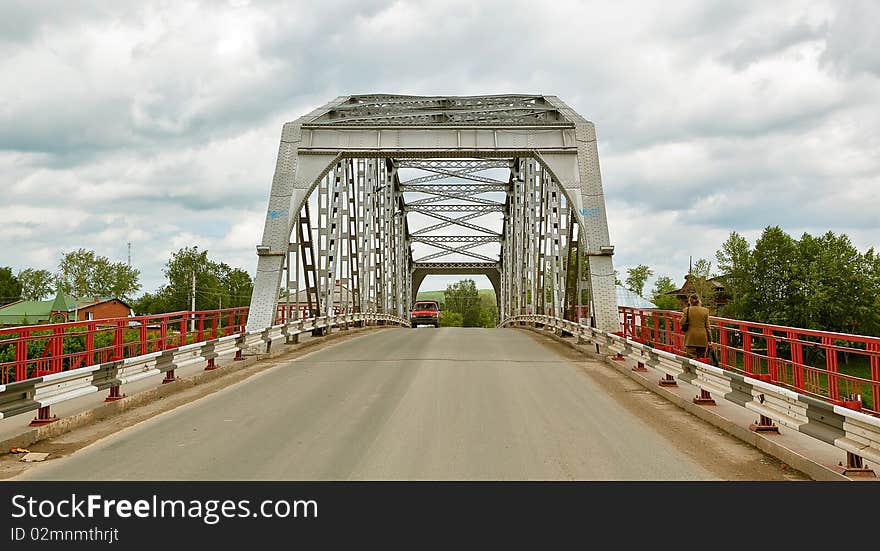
(815, 282)
(81, 273)
(217, 285)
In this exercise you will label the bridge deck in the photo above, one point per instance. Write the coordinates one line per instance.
(446, 403)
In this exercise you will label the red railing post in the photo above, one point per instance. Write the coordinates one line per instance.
(21, 355)
(747, 348)
(831, 367)
(163, 333)
(143, 336)
(874, 349)
(119, 341)
(723, 341)
(184, 322)
(797, 360)
(57, 345)
(772, 362)
(91, 328)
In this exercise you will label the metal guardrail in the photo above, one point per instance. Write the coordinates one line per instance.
(839, 367)
(40, 393)
(37, 350)
(855, 432)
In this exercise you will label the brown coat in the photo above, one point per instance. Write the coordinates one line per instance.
(698, 326)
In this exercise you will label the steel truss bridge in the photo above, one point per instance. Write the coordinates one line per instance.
(373, 193)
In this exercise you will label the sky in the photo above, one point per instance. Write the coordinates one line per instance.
(158, 123)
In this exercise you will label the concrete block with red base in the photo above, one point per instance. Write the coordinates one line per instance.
(114, 394)
(640, 367)
(855, 466)
(764, 424)
(43, 417)
(668, 380)
(704, 399)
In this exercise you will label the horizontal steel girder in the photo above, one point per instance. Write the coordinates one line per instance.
(462, 187)
(456, 265)
(497, 207)
(470, 165)
(455, 238)
(440, 196)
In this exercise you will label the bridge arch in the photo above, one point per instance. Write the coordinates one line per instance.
(355, 138)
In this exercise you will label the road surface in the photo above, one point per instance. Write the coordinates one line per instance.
(423, 404)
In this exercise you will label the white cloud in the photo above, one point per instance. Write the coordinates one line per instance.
(158, 123)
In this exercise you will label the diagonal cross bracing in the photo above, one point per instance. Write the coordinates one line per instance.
(461, 222)
(450, 250)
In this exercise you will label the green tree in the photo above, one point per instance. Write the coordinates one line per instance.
(10, 286)
(217, 285)
(736, 269)
(636, 278)
(448, 318)
(36, 284)
(699, 278)
(488, 310)
(236, 284)
(83, 273)
(871, 270)
(463, 298)
(835, 292)
(659, 296)
(151, 303)
(774, 295)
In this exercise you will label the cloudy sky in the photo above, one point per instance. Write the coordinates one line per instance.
(157, 123)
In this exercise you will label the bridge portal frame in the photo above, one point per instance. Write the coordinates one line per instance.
(388, 127)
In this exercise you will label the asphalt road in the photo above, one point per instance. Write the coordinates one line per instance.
(424, 404)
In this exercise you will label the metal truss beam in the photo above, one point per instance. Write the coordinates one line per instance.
(456, 265)
(425, 209)
(455, 188)
(456, 238)
(471, 165)
(442, 196)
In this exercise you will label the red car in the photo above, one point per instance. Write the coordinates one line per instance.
(425, 312)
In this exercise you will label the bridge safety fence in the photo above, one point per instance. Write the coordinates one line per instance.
(839, 367)
(37, 350)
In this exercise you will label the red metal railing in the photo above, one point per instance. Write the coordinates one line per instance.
(841, 368)
(37, 350)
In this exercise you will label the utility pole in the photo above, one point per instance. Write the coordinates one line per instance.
(129, 254)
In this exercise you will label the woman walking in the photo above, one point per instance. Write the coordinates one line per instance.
(695, 326)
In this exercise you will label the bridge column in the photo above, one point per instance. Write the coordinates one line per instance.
(293, 179)
(581, 178)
